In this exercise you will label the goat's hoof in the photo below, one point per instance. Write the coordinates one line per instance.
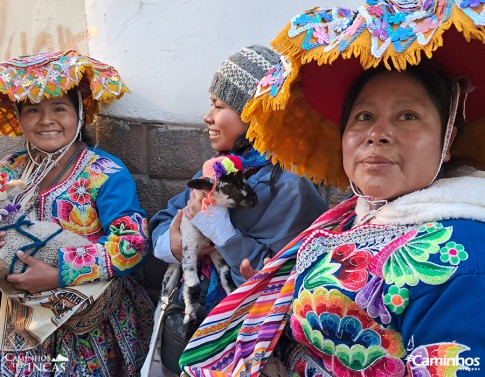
(191, 324)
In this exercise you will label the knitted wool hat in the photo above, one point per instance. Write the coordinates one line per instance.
(235, 81)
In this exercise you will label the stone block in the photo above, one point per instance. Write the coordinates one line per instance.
(124, 139)
(177, 151)
(9, 145)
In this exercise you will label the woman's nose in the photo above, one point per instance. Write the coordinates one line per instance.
(380, 133)
(208, 118)
(45, 118)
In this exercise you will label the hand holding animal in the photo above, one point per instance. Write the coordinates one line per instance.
(225, 187)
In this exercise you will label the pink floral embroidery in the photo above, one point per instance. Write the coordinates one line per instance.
(427, 25)
(321, 35)
(79, 191)
(80, 257)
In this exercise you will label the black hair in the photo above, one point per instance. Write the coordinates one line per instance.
(439, 85)
(241, 144)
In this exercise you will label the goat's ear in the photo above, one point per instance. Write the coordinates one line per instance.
(200, 184)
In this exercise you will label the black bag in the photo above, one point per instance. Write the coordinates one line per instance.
(173, 337)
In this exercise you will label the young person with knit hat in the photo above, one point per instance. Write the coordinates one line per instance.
(286, 205)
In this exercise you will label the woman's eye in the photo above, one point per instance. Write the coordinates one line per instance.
(59, 109)
(364, 116)
(408, 116)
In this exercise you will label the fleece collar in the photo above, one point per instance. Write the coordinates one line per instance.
(458, 197)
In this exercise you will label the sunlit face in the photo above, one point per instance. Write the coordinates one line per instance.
(50, 124)
(392, 139)
(224, 124)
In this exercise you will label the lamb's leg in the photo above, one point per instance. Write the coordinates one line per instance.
(224, 272)
(191, 242)
(170, 279)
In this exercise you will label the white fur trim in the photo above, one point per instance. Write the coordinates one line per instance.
(448, 198)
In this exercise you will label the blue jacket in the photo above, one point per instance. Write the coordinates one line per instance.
(264, 229)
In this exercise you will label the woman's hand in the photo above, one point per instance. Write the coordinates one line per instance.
(176, 236)
(38, 277)
(194, 204)
(3, 234)
(247, 272)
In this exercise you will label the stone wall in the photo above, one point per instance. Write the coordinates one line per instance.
(161, 158)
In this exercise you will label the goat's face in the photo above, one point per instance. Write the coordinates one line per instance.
(232, 190)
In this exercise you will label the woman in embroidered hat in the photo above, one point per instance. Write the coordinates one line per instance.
(86, 316)
(286, 203)
(388, 283)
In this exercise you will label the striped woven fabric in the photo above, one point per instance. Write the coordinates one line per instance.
(241, 332)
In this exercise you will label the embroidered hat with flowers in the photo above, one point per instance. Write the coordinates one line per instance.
(33, 78)
(325, 49)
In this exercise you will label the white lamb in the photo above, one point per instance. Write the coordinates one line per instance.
(41, 239)
(226, 190)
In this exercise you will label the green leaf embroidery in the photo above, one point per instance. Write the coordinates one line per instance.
(322, 274)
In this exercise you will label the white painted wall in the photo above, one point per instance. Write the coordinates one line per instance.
(167, 50)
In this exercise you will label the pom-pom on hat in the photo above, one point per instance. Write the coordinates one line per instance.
(219, 166)
(235, 81)
(37, 77)
(295, 111)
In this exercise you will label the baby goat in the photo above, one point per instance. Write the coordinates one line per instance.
(225, 185)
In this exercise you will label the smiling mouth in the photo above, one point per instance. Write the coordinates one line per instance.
(49, 133)
(214, 133)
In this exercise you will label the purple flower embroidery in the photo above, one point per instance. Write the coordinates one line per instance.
(370, 298)
(378, 28)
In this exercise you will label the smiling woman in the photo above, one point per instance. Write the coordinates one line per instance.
(85, 308)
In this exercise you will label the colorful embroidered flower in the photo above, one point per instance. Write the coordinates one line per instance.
(428, 24)
(430, 227)
(453, 253)
(402, 34)
(124, 225)
(103, 165)
(344, 267)
(397, 299)
(375, 10)
(80, 257)
(41, 81)
(378, 29)
(370, 299)
(396, 18)
(267, 80)
(320, 33)
(125, 251)
(85, 222)
(5, 77)
(79, 191)
(343, 337)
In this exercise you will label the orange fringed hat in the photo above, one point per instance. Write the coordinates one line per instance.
(37, 77)
(295, 111)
